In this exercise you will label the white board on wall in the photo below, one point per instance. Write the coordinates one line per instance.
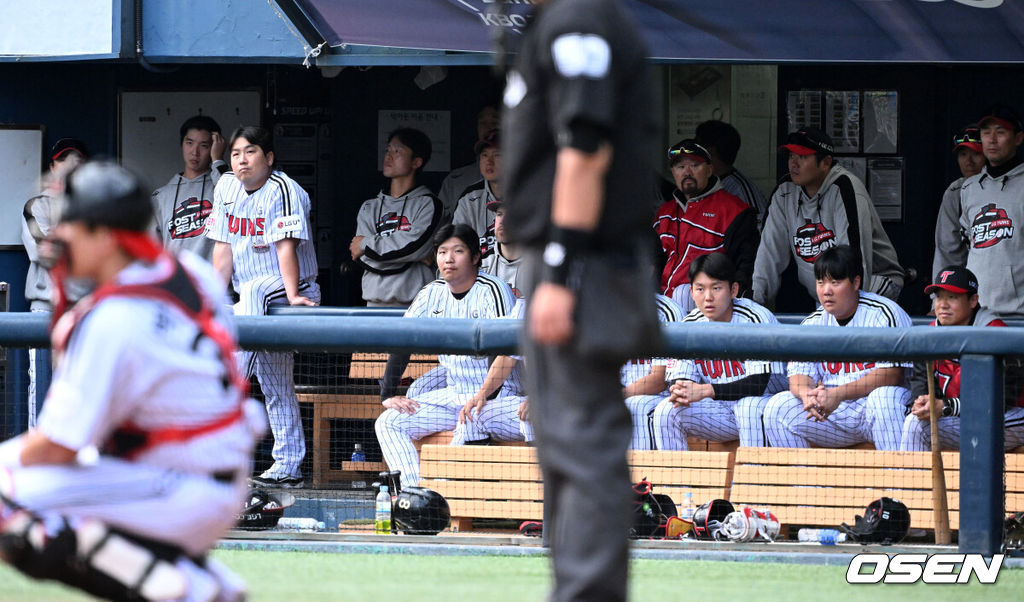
(21, 154)
(148, 138)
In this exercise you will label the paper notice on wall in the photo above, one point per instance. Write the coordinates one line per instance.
(803, 109)
(435, 124)
(885, 185)
(881, 121)
(842, 120)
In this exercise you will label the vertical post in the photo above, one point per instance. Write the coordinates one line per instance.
(981, 455)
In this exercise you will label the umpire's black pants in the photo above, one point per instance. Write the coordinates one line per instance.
(582, 431)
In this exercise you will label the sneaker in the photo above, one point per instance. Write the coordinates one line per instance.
(280, 482)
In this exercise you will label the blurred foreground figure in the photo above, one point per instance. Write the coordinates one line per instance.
(139, 461)
(576, 136)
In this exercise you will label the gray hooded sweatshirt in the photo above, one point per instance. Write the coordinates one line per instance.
(397, 236)
(181, 207)
(800, 228)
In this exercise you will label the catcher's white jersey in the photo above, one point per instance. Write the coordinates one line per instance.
(140, 365)
(744, 311)
(251, 223)
(873, 311)
(637, 368)
(489, 297)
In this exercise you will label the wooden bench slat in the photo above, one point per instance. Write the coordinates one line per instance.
(506, 510)
(348, 466)
(700, 494)
(681, 459)
(689, 476)
(842, 458)
(372, 365)
(766, 495)
(894, 478)
(479, 454)
(432, 469)
(477, 490)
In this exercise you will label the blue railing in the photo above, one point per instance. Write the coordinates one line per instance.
(980, 352)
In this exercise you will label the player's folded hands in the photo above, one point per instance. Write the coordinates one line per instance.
(401, 404)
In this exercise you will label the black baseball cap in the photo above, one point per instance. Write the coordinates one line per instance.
(955, 279)
(808, 141)
(495, 204)
(491, 138)
(68, 145)
(969, 137)
(1003, 115)
(688, 147)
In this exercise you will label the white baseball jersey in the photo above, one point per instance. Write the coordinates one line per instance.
(637, 368)
(251, 223)
(873, 311)
(140, 367)
(744, 311)
(489, 297)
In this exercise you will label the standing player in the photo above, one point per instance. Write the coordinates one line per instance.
(950, 240)
(955, 295)
(838, 404)
(474, 204)
(139, 461)
(37, 221)
(577, 135)
(504, 262)
(183, 204)
(643, 381)
(462, 292)
(260, 223)
(718, 400)
(992, 210)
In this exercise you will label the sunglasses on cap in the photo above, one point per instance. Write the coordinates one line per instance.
(967, 138)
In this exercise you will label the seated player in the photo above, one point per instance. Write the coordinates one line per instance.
(474, 202)
(139, 460)
(955, 300)
(496, 411)
(643, 382)
(462, 292)
(717, 400)
(834, 403)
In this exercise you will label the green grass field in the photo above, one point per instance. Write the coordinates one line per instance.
(298, 577)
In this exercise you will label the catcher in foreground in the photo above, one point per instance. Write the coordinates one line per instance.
(139, 461)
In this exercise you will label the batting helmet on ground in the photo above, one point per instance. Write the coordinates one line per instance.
(102, 193)
(420, 511)
(885, 521)
(708, 519)
(263, 509)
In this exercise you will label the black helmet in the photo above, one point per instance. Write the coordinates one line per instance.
(709, 518)
(420, 511)
(263, 509)
(103, 193)
(885, 521)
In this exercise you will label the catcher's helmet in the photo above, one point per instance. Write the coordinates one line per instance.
(420, 511)
(885, 521)
(263, 509)
(709, 518)
(102, 193)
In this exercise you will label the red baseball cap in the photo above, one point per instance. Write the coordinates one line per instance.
(1003, 115)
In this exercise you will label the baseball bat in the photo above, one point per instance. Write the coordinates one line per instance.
(940, 510)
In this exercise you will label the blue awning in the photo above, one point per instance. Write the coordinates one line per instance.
(709, 30)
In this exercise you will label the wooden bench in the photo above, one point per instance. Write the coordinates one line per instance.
(505, 482)
(364, 405)
(826, 487)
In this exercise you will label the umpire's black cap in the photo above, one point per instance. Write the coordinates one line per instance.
(103, 193)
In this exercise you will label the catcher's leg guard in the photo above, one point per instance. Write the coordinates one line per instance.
(94, 558)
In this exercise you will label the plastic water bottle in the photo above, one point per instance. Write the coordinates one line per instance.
(688, 507)
(382, 516)
(300, 524)
(828, 537)
(358, 455)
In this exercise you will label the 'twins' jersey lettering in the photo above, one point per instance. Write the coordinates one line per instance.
(243, 226)
(846, 367)
(811, 239)
(389, 223)
(715, 369)
(990, 226)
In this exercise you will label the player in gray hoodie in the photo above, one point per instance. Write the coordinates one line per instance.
(394, 229)
(182, 205)
(822, 205)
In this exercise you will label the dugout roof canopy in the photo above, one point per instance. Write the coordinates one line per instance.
(772, 31)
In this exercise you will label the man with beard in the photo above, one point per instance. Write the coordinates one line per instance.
(702, 218)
